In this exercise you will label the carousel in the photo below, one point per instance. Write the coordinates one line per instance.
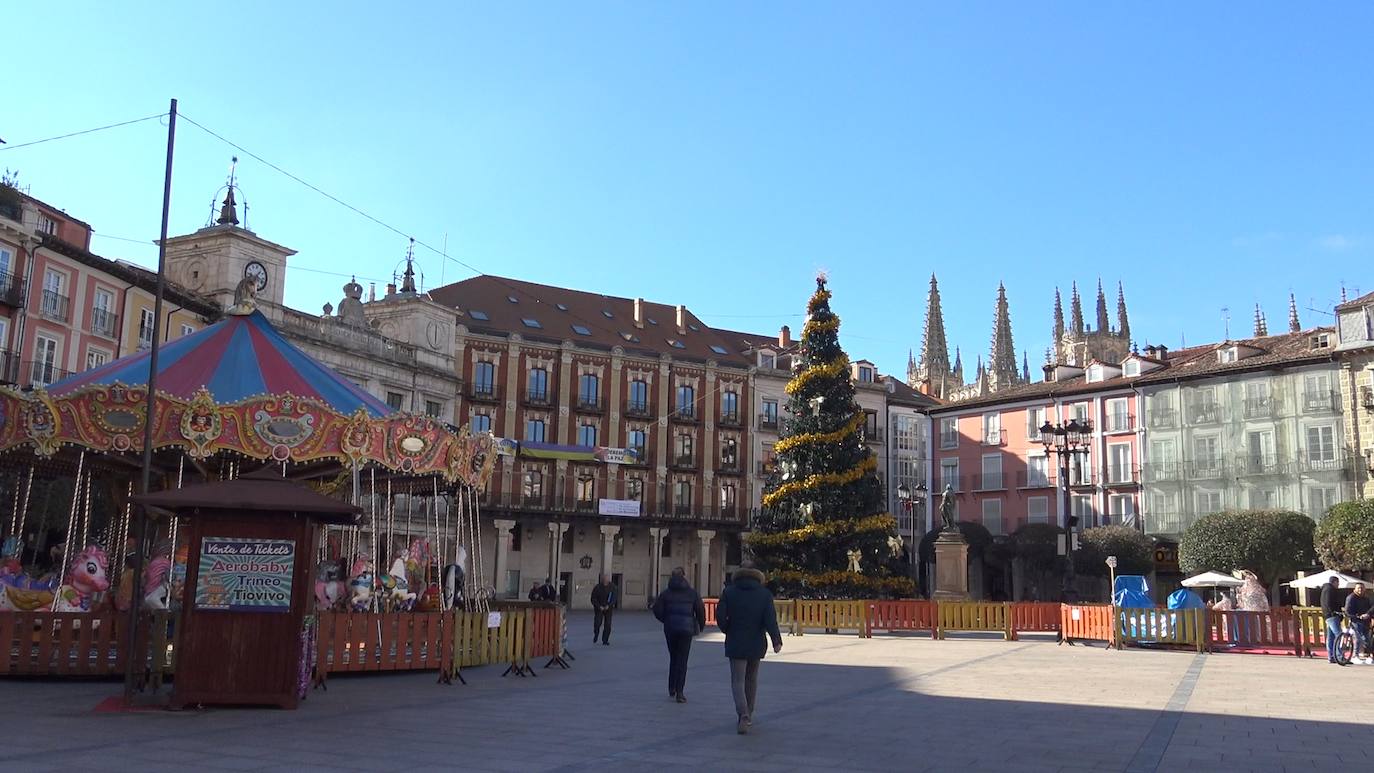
(234, 398)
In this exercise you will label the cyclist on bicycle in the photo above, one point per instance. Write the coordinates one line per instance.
(1357, 608)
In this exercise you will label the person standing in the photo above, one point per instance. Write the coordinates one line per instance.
(547, 592)
(746, 616)
(603, 604)
(1332, 616)
(536, 592)
(683, 615)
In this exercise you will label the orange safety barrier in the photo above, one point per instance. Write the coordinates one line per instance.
(1034, 617)
(1276, 629)
(901, 615)
(545, 631)
(710, 605)
(382, 641)
(1086, 622)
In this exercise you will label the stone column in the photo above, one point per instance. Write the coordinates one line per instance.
(607, 545)
(503, 539)
(704, 567)
(656, 536)
(555, 542)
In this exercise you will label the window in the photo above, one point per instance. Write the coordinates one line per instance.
(949, 432)
(44, 361)
(1164, 460)
(537, 385)
(992, 472)
(1121, 507)
(1227, 355)
(1319, 500)
(478, 315)
(638, 440)
(1162, 503)
(532, 487)
(95, 358)
(639, 395)
(102, 313)
(768, 360)
(871, 426)
(1035, 419)
(618, 543)
(1316, 392)
(1119, 463)
(145, 328)
(666, 550)
(1079, 411)
(589, 390)
(1260, 447)
(729, 453)
(586, 489)
(1205, 456)
(54, 302)
(1038, 510)
(729, 406)
(686, 401)
(434, 409)
(1321, 341)
(6, 265)
(534, 430)
(1037, 471)
(1132, 368)
(865, 374)
(949, 474)
(728, 494)
(1208, 502)
(1094, 374)
(992, 429)
(586, 434)
(481, 423)
(1321, 448)
(1118, 417)
(682, 495)
(634, 489)
(512, 584)
(1264, 498)
(4, 333)
(394, 400)
(770, 414)
(565, 542)
(684, 448)
(1081, 505)
(531, 322)
(676, 344)
(484, 378)
(581, 330)
(517, 540)
(992, 515)
(187, 330)
(607, 314)
(47, 225)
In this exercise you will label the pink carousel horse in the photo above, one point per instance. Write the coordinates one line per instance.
(85, 578)
(157, 583)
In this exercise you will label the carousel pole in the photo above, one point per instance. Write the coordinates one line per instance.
(141, 516)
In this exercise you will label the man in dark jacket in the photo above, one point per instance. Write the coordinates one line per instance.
(746, 616)
(1331, 614)
(1357, 608)
(603, 604)
(683, 615)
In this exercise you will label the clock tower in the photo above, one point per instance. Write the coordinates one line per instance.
(213, 260)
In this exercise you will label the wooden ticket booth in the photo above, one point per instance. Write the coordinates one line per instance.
(249, 586)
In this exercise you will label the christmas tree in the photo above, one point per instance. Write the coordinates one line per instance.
(823, 532)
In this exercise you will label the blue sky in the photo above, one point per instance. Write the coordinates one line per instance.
(1207, 155)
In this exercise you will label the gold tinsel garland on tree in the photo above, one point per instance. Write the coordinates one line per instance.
(879, 522)
(896, 586)
(829, 369)
(821, 437)
(812, 481)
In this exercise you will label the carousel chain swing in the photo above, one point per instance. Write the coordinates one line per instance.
(71, 526)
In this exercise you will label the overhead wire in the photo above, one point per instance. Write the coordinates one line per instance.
(69, 135)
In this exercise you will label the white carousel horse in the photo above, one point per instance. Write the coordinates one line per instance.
(157, 583)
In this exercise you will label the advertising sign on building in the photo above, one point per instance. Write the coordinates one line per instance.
(622, 507)
(245, 574)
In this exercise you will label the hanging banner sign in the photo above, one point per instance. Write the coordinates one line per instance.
(622, 507)
(618, 455)
(245, 575)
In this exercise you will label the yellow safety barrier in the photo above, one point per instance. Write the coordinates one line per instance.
(786, 610)
(1184, 627)
(830, 616)
(973, 616)
(1311, 630)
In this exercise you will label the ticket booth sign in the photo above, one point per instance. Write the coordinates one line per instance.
(245, 574)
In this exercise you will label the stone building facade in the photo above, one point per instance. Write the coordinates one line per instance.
(1355, 346)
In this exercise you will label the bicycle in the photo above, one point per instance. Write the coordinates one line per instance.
(1349, 641)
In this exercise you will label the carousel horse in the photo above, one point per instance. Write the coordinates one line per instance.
(452, 585)
(85, 578)
(360, 585)
(21, 593)
(418, 560)
(397, 586)
(157, 583)
(329, 584)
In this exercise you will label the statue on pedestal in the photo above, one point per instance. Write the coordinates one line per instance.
(950, 528)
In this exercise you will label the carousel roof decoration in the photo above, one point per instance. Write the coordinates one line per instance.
(240, 387)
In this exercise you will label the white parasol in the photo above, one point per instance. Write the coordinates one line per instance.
(1212, 580)
(1321, 578)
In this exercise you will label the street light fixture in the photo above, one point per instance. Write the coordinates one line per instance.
(909, 498)
(1067, 441)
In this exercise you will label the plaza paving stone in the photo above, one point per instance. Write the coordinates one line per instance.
(828, 702)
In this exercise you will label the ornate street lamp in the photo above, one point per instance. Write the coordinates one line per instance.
(909, 500)
(1067, 441)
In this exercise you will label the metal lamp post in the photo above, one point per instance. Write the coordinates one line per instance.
(1067, 441)
(909, 500)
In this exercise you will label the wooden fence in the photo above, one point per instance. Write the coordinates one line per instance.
(829, 615)
(75, 644)
(1181, 627)
(1086, 622)
(1275, 630)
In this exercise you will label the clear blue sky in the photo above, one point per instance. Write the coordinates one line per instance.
(1208, 155)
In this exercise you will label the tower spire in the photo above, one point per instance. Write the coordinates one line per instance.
(1076, 312)
(1002, 358)
(1293, 325)
(408, 279)
(1058, 318)
(933, 367)
(958, 367)
(1025, 367)
(1261, 327)
(1123, 325)
(1103, 324)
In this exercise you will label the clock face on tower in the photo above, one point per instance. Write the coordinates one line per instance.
(258, 272)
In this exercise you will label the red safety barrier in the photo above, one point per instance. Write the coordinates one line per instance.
(1035, 617)
(901, 615)
(545, 631)
(382, 641)
(1274, 631)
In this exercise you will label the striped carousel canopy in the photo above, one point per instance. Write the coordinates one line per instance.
(236, 358)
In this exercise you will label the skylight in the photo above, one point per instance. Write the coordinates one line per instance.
(607, 314)
(693, 328)
(581, 330)
(561, 307)
(512, 299)
(529, 322)
(631, 337)
(718, 349)
(653, 321)
(475, 314)
(676, 344)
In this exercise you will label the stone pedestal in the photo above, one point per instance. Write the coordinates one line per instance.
(951, 567)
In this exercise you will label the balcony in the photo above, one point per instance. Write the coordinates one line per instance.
(1168, 522)
(682, 511)
(1204, 413)
(11, 290)
(9, 367)
(55, 306)
(1122, 475)
(532, 501)
(590, 404)
(1322, 460)
(1260, 407)
(104, 323)
(685, 462)
(1163, 418)
(1320, 401)
(1033, 479)
(991, 482)
(949, 440)
(1120, 422)
(585, 506)
(872, 435)
(639, 453)
(1367, 398)
(538, 398)
(729, 419)
(768, 423)
(1260, 464)
(483, 393)
(994, 437)
(1159, 472)
(638, 411)
(684, 415)
(40, 373)
(728, 468)
(1203, 469)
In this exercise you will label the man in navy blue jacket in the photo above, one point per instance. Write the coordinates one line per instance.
(683, 615)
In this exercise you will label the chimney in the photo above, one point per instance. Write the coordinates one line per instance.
(1161, 352)
(639, 312)
(785, 337)
(1049, 369)
(371, 291)
(681, 319)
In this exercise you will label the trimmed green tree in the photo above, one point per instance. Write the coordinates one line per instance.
(1345, 537)
(1037, 547)
(1135, 552)
(1271, 543)
(823, 512)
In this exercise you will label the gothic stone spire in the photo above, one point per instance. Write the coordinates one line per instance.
(1123, 325)
(1293, 325)
(934, 362)
(1076, 312)
(1058, 318)
(1002, 359)
(1103, 324)
(1261, 327)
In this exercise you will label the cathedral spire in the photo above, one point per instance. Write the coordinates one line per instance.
(1025, 367)
(1058, 318)
(1261, 326)
(1293, 325)
(1076, 312)
(958, 367)
(1002, 358)
(1123, 325)
(933, 367)
(1103, 324)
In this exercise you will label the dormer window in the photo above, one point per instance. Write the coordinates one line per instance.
(718, 349)
(1132, 368)
(561, 307)
(768, 360)
(1094, 374)
(676, 344)
(1227, 355)
(865, 374)
(1321, 341)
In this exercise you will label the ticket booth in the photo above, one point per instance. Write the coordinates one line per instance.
(249, 584)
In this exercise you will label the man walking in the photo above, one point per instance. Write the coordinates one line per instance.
(1331, 614)
(746, 616)
(683, 615)
(603, 604)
